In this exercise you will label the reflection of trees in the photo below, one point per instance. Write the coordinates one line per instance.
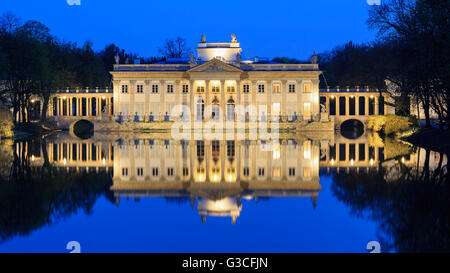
(412, 210)
(33, 197)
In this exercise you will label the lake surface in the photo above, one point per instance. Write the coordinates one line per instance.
(151, 193)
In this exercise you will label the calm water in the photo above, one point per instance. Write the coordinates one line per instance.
(150, 193)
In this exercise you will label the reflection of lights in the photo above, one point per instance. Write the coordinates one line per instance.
(201, 177)
(215, 177)
(276, 151)
(371, 162)
(230, 178)
(64, 161)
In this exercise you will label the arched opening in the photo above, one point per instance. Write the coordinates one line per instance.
(352, 129)
(230, 109)
(342, 106)
(362, 106)
(200, 109)
(83, 129)
(215, 109)
(332, 110)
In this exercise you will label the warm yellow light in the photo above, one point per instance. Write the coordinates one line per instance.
(352, 162)
(332, 96)
(32, 157)
(32, 101)
(371, 162)
(371, 96)
(64, 97)
(64, 161)
(332, 161)
(104, 161)
(403, 160)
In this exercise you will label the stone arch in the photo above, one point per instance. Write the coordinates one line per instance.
(83, 134)
(352, 128)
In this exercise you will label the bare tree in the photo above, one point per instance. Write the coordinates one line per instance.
(9, 22)
(175, 48)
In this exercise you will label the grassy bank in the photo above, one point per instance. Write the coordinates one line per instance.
(431, 138)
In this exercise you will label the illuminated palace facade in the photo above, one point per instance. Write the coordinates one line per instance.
(220, 78)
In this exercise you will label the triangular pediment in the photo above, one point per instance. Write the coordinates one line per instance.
(215, 65)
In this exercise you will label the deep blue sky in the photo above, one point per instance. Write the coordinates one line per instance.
(292, 28)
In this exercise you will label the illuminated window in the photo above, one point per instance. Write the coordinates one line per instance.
(200, 89)
(307, 172)
(215, 89)
(246, 88)
(276, 89)
(155, 88)
(291, 88)
(124, 88)
(276, 172)
(307, 149)
(139, 89)
(170, 88)
(230, 89)
(307, 88)
(185, 88)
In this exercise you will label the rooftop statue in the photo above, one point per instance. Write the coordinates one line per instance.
(203, 38)
(117, 58)
(233, 38)
(314, 58)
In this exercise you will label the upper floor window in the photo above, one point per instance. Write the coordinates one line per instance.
(155, 171)
(291, 88)
(125, 171)
(170, 88)
(169, 171)
(140, 88)
(246, 88)
(276, 89)
(246, 171)
(140, 171)
(124, 88)
(155, 88)
(307, 88)
(185, 88)
(230, 89)
(215, 89)
(260, 88)
(200, 89)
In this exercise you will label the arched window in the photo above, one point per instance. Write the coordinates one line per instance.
(230, 109)
(215, 109)
(200, 109)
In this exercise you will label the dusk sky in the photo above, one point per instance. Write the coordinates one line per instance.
(264, 28)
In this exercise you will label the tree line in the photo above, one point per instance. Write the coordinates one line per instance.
(33, 62)
(409, 58)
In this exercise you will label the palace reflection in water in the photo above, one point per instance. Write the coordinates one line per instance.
(216, 176)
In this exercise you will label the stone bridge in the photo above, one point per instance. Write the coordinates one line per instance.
(353, 104)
